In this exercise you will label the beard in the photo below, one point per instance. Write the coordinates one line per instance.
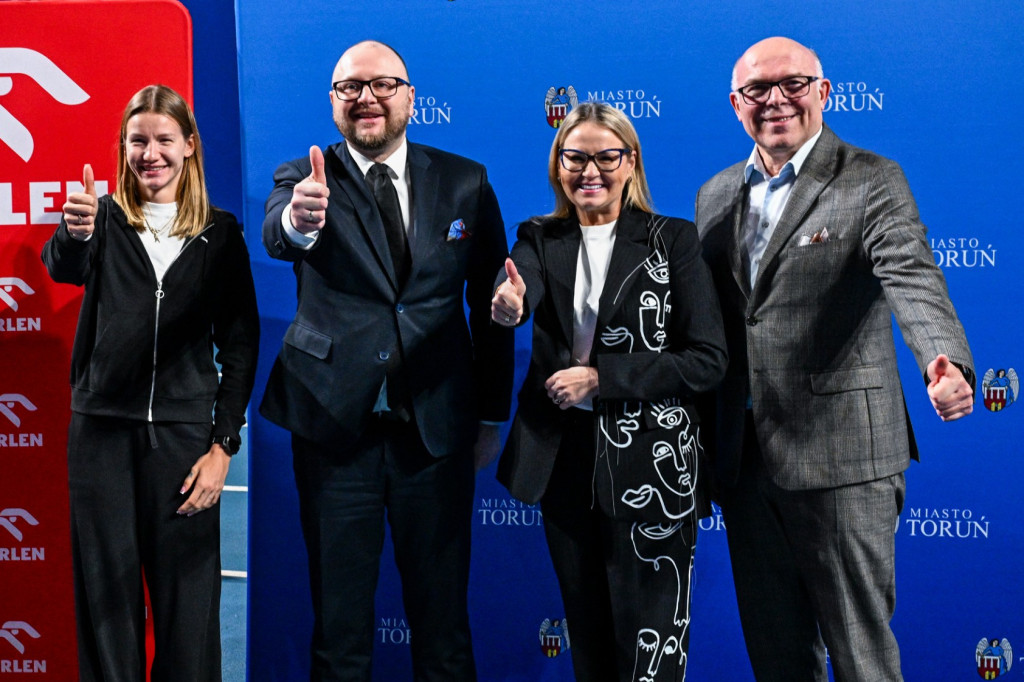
(370, 144)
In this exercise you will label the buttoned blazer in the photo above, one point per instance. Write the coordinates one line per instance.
(351, 315)
(658, 342)
(812, 342)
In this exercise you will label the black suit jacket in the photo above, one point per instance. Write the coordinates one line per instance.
(351, 315)
(658, 342)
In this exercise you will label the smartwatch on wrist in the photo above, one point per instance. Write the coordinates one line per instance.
(229, 444)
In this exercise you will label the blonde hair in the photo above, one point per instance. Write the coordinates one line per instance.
(636, 193)
(194, 209)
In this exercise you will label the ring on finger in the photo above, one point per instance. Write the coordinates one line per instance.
(508, 318)
(311, 218)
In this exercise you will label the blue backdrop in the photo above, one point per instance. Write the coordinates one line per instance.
(933, 85)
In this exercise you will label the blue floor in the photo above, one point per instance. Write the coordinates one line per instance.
(232, 629)
(234, 519)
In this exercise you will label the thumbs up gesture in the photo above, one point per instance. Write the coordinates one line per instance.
(507, 304)
(951, 395)
(309, 197)
(80, 208)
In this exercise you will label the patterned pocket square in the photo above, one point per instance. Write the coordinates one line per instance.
(819, 237)
(457, 231)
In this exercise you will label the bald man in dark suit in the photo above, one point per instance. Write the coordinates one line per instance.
(386, 390)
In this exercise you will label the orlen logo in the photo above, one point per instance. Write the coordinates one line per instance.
(9, 284)
(16, 632)
(12, 628)
(23, 61)
(9, 517)
(8, 402)
(11, 289)
(11, 404)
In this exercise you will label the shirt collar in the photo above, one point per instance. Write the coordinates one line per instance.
(755, 164)
(396, 162)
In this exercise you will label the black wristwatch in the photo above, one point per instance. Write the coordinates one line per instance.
(229, 444)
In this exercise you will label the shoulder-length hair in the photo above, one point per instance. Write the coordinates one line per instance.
(636, 193)
(194, 210)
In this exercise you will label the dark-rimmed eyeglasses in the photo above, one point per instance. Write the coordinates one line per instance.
(382, 88)
(605, 160)
(793, 87)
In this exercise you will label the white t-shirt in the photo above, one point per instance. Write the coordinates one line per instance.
(595, 255)
(156, 237)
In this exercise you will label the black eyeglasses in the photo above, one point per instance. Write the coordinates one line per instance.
(605, 160)
(793, 87)
(382, 88)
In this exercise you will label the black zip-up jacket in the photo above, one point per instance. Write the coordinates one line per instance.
(144, 348)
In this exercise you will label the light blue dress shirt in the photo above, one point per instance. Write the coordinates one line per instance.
(766, 202)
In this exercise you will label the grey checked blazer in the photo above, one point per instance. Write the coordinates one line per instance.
(812, 343)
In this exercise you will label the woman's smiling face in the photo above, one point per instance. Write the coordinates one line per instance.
(596, 194)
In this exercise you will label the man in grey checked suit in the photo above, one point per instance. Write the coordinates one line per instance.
(813, 245)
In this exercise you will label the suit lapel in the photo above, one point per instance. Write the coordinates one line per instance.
(630, 251)
(423, 240)
(562, 241)
(736, 252)
(814, 176)
(627, 261)
(349, 180)
(720, 209)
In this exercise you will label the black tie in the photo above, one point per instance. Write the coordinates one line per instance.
(391, 214)
(386, 196)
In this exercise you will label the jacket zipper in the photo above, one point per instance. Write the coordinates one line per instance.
(156, 325)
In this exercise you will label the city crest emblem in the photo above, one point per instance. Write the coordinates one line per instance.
(1000, 388)
(994, 658)
(558, 103)
(554, 637)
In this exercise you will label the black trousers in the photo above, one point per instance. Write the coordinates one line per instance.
(345, 491)
(625, 584)
(124, 497)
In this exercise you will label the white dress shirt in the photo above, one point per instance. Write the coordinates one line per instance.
(398, 169)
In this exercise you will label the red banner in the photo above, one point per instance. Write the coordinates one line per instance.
(67, 69)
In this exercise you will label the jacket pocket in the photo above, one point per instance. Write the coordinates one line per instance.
(852, 379)
(308, 341)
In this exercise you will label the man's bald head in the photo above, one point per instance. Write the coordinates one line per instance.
(373, 50)
(773, 45)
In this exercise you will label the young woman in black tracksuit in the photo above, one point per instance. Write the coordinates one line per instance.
(153, 428)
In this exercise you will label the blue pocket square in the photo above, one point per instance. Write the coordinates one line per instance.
(457, 231)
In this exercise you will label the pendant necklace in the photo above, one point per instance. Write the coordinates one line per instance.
(157, 231)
